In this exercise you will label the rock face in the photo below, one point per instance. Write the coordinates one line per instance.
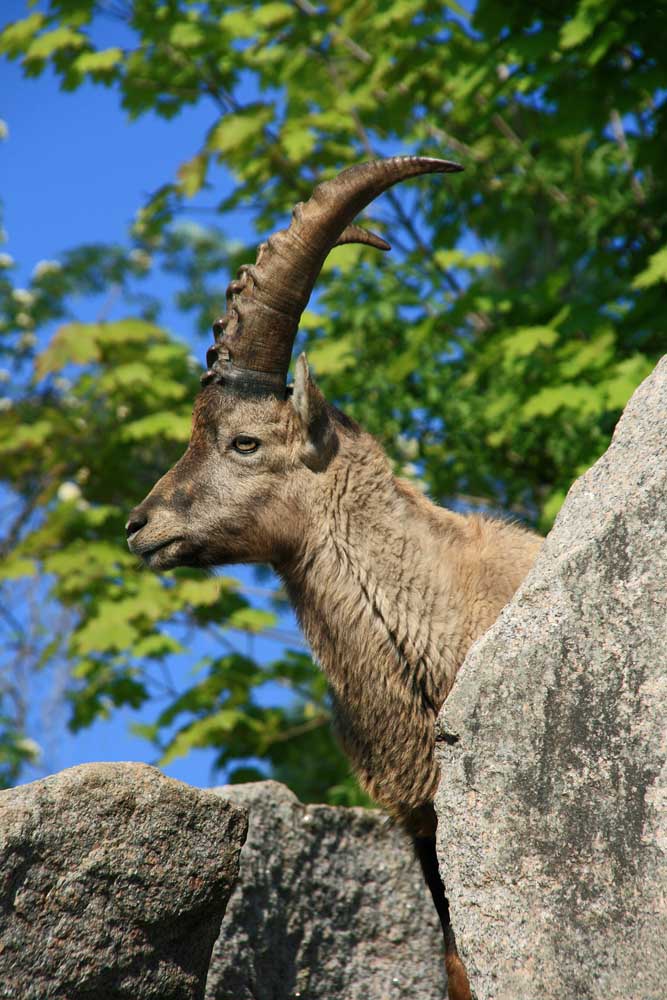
(553, 746)
(330, 905)
(114, 883)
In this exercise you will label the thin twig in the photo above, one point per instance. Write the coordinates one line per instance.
(361, 54)
(621, 139)
(305, 727)
(13, 622)
(13, 535)
(506, 129)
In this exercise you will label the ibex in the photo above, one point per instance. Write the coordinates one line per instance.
(390, 589)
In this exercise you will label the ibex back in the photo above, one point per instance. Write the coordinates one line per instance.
(390, 589)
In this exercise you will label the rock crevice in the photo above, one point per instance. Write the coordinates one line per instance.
(330, 904)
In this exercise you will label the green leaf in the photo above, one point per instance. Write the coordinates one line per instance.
(47, 44)
(459, 258)
(273, 14)
(15, 567)
(330, 357)
(186, 35)
(626, 377)
(82, 343)
(298, 142)
(201, 734)
(129, 331)
(586, 400)
(589, 14)
(16, 37)
(237, 131)
(344, 258)
(28, 436)
(527, 340)
(584, 356)
(192, 174)
(157, 425)
(251, 619)
(199, 592)
(655, 272)
(98, 62)
(238, 24)
(73, 343)
(157, 646)
(111, 631)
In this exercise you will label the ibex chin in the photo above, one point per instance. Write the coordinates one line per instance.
(391, 590)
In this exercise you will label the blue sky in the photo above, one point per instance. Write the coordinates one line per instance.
(73, 170)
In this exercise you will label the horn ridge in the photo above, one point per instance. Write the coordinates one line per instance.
(266, 300)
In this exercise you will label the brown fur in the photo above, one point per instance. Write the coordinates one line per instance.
(390, 589)
(391, 592)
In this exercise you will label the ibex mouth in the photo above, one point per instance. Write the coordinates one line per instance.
(153, 555)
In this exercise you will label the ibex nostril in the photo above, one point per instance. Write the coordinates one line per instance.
(135, 523)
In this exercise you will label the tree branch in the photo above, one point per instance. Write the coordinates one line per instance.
(622, 141)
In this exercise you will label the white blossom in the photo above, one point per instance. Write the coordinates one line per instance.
(68, 491)
(43, 267)
(122, 411)
(141, 259)
(27, 340)
(408, 447)
(5, 375)
(23, 296)
(6, 260)
(5, 404)
(412, 472)
(30, 748)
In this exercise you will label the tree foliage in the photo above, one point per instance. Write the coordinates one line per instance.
(491, 353)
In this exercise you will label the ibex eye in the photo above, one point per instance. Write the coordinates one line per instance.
(245, 445)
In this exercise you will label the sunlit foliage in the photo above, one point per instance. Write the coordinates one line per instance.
(491, 353)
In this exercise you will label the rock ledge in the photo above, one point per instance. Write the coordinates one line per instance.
(114, 883)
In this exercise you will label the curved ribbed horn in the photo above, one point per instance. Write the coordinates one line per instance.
(253, 340)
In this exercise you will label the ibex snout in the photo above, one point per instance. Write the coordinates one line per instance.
(155, 535)
(143, 530)
(136, 521)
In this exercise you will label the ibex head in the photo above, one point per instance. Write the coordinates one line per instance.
(256, 444)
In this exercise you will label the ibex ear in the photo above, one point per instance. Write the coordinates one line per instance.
(317, 427)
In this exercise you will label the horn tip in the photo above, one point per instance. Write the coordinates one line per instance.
(444, 166)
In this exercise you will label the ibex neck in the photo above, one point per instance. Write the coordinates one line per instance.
(372, 591)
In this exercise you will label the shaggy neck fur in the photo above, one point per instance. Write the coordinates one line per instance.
(391, 591)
